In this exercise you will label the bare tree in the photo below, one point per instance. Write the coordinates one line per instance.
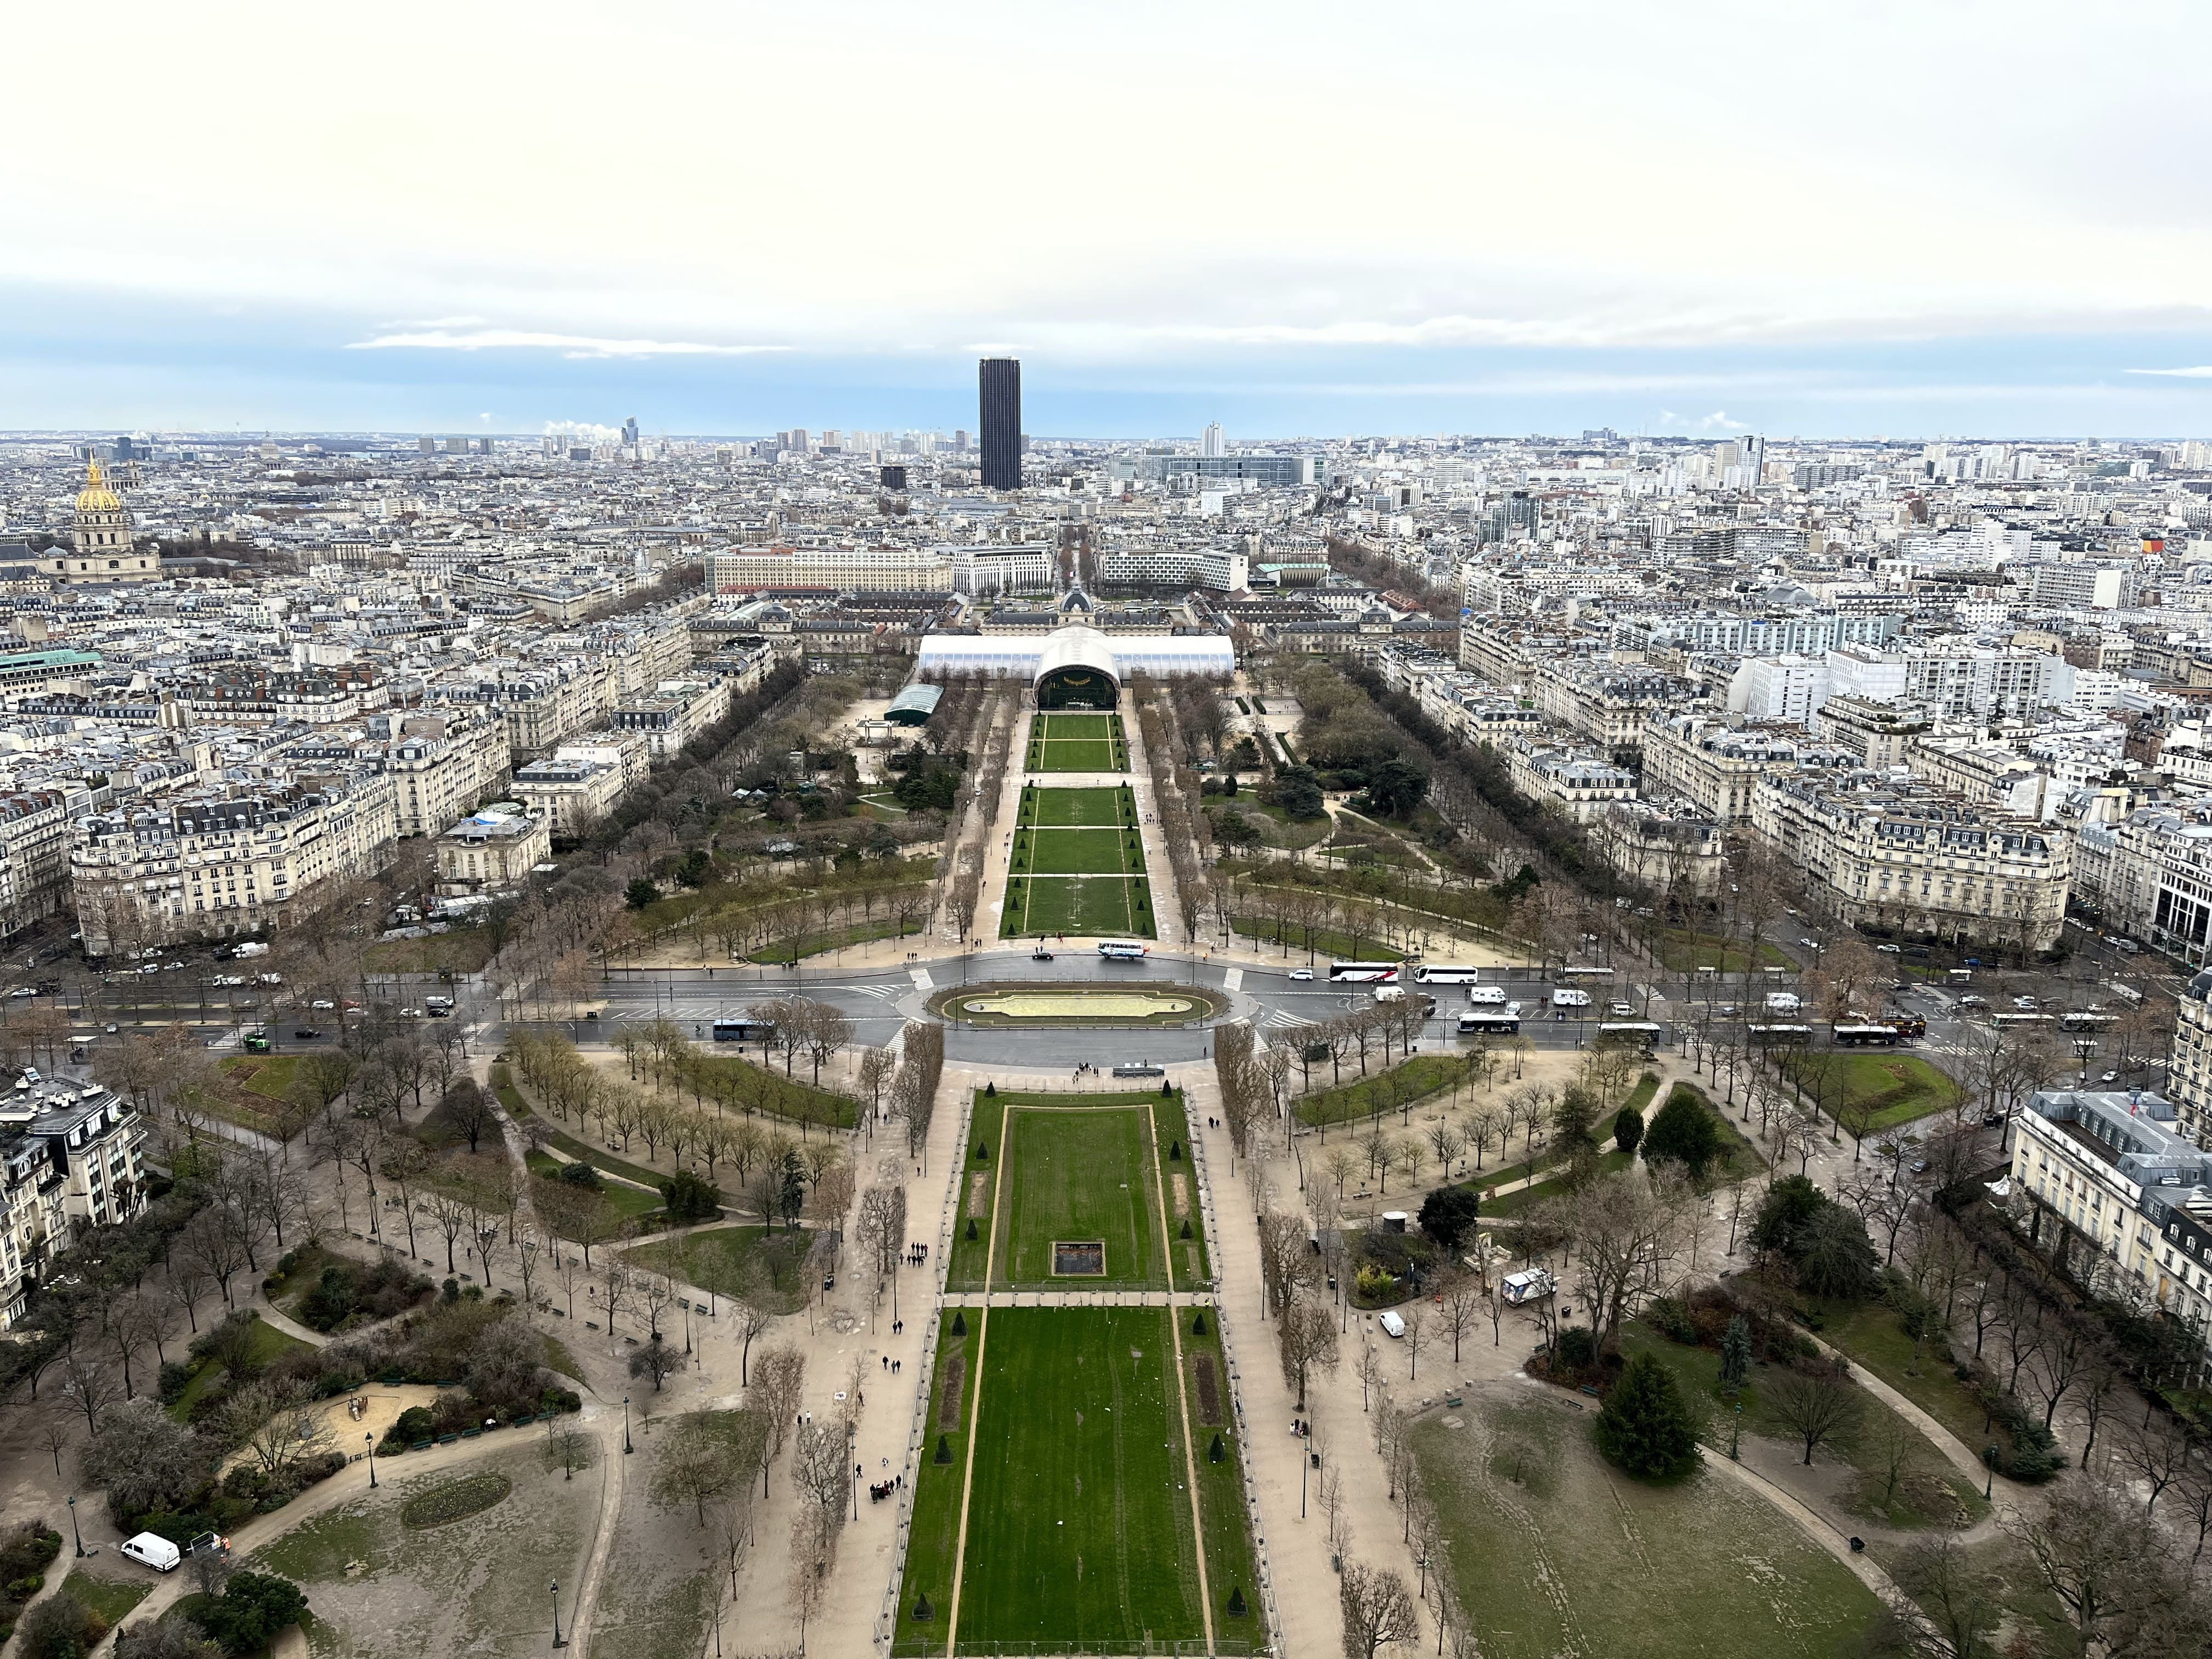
(1818, 1409)
(1305, 1332)
(1378, 1608)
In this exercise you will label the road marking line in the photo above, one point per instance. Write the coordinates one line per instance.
(1233, 980)
(921, 978)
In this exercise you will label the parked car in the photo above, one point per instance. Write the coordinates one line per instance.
(1889, 950)
(307, 1033)
(2109, 1077)
(1391, 1324)
(1622, 1010)
(322, 1004)
(1302, 973)
(2025, 1004)
(113, 1028)
(24, 991)
(1810, 944)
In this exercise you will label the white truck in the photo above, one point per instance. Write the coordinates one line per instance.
(1783, 1002)
(1487, 996)
(1532, 1285)
(1565, 996)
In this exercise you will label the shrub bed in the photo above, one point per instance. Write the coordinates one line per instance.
(457, 1500)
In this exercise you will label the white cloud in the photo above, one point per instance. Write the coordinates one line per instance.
(1719, 421)
(569, 345)
(2203, 373)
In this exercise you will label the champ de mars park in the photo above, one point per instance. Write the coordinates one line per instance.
(1132, 1179)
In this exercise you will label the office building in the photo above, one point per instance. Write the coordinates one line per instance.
(998, 384)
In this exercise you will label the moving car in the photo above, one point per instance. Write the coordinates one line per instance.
(1887, 949)
(1302, 973)
(307, 1033)
(322, 1003)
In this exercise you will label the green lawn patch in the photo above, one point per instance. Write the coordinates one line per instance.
(1076, 853)
(502, 1084)
(1698, 1568)
(111, 1598)
(1079, 1523)
(759, 1263)
(625, 1201)
(269, 1344)
(466, 951)
(1318, 944)
(1067, 808)
(815, 944)
(1891, 1088)
(1524, 1199)
(740, 1084)
(1867, 1333)
(1408, 1081)
(1088, 906)
(1680, 953)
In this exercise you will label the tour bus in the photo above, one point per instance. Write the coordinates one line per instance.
(1350, 973)
(1859, 1036)
(2086, 1022)
(1779, 1037)
(1485, 996)
(1629, 1030)
(1483, 1022)
(2004, 1021)
(1445, 973)
(742, 1030)
(1586, 973)
(1122, 950)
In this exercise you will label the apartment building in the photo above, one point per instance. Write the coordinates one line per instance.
(1877, 734)
(1667, 846)
(493, 851)
(1714, 766)
(1606, 704)
(997, 567)
(35, 830)
(2118, 1177)
(211, 864)
(672, 713)
(1579, 783)
(1219, 569)
(1894, 857)
(72, 1156)
(320, 696)
(442, 765)
(572, 793)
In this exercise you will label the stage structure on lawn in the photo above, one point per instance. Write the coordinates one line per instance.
(1078, 667)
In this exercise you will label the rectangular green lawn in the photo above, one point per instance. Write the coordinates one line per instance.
(1061, 807)
(1074, 755)
(1089, 852)
(1079, 1173)
(1080, 1528)
(1085, 906)
(1053, 727)
(935, 1539)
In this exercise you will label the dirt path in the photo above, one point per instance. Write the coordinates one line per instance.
(975, 1416)
(612, 1467)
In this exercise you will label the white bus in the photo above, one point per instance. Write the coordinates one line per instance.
(1586, 973)
(1485, 1022)
(1445, 973)
(2005, 1021)
(1640, 1030)
(1344, 973)
(1122, 950)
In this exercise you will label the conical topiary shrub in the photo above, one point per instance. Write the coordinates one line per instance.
(971, 1229)
(944, 1449)
(990, 1089)
(1174, 1151)
(923, 1613)
(983, 1147)
(960, 1319)
(1186, 1227)
(1198, 1322)
(1216, 1451)
(1236, 1608)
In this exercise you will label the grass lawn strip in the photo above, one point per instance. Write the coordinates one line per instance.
(1064, 808)
(1697, 1569)
(1076, 853)
(1082, 1532)
(1898, 1087)
(111, 1598)
(745, 1262)
(1082, 905)
(1409, 1080)
(1081, 1173)
(933, 1537)
(269, 1344)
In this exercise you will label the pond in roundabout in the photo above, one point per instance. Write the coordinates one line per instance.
(1079, 1005)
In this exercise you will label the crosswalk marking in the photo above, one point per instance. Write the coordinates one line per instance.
(919, 976)
(1233, 980)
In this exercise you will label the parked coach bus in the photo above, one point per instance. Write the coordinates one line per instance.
(1585, 972)
(1779, 1037)
(1859, 1037)
(1445, 973)
(1122, 950)
(1355, 973)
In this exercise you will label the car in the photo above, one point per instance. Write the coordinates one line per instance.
(307, 1033)
(1730, 1009)
(1810, 944)
(1973, 1002)
(24, 991)
(2109, 1077)
(113, 1028)
(322, 1004)
(1039, 955)
(1302, 973)
(172, 967)
(2025, 1004)
(1622, 1010)
(1920, 1166)
(410, 1013)
(1887, 949)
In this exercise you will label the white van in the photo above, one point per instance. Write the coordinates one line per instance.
(1487, 996)
(152, 1550)
(1391, 1324)
(1564, 998)
(1531, 1285)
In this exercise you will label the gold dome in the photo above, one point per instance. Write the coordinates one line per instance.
(96, 496)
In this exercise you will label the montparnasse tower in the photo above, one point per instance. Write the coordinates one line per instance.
(99, 539)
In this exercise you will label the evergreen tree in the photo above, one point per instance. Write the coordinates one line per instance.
(1735, 1355)
(1683, 1130)
(1628, 1129)
(1645, 1426)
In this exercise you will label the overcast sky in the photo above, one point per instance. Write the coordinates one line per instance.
(1958, 218)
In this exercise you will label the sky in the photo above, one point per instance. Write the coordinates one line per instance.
(1966, 219)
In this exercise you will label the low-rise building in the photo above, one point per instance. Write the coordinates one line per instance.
(493, 851)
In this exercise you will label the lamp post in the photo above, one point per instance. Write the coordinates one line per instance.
(73, 1533)
(1988, 1480)
(1735, 1433)
(371, 1439)
(627, 1448)
(554, 1589)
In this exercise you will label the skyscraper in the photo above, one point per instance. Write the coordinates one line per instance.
(998, 381)
(1211, 443)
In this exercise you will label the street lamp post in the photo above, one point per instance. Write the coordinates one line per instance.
(554, 1589)
(1988, 1480)
(371, 1438)
(73, 1533)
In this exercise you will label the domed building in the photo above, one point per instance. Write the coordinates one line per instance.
(99, 549)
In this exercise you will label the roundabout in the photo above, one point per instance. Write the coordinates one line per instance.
(1078, 1004)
